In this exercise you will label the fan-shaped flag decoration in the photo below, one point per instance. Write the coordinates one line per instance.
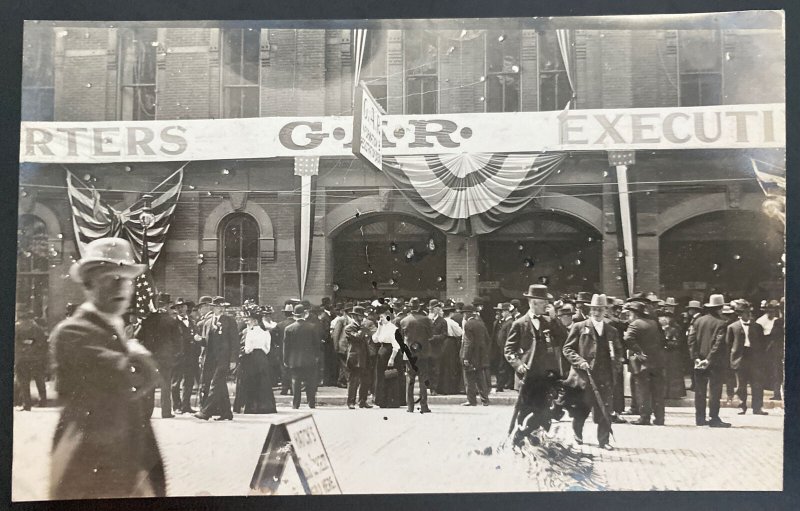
(93, 218)
(471, 193)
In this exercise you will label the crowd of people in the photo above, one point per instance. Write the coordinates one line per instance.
(564, 355)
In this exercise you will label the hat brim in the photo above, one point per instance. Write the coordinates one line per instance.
(537, 297)
(714, 306)
(223, 304)
(79, 269)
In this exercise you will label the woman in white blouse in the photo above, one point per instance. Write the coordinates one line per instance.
(257, 384)
(389, 380)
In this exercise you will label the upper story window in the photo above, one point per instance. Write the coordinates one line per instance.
(38, 73)
(373, 65)
(554, 89)
(422, 71)
(700, 67)
(137, 74)
(240, 72)
(502, 70)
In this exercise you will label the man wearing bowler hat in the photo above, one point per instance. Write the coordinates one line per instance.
(534, 350)
(593, 348)
(417, 331)
(301, 350)
(222, 337)
(505, 373)
(473, 346)
(104, 446)
(186, 369)
(644, 338)
(160, 335)
(745, 340)
(708, 352)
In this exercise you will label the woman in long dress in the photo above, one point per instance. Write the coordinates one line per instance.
(450, 380)
(389, 380)
(258, 397)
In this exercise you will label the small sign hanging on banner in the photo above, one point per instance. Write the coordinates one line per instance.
(367, 127)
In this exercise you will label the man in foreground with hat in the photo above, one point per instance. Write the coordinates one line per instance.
(534, 350)
(301, 349)
(473, 345)
(358, 337)
(593, 348)
(707, 349)
(745, 339)
(774, 336)
(221, 334)
(104, 446)
(643, 336)
(417, 330)
(160, 335)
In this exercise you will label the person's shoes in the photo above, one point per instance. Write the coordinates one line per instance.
(742, 411)
(352, 407)
(312, 405)
(701, 423)
(188, 410)
(641, 422)
(607, 447)
(558, 413)
(578, 439)
(201, 416)
(485, 403)
(410, 411)
(776, 397)
(170, 416)
(718, 423)
(177, 412)
(469, 404)
(425, 410)
(365, 405)
(286, 392)
(630, 411)
(760, 412)
(42, 403)
(224, 418)
(498, 390)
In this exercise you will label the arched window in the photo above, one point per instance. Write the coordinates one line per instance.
(239, 259)
(32, 262)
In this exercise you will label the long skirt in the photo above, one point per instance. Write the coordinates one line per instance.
(389, 392)
(257, 383)
(450, 381)
(675, 384)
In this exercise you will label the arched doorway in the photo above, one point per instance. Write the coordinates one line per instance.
(388, 255)
(544, 247)
(737, 253)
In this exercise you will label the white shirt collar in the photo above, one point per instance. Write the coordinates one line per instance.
(598, 326)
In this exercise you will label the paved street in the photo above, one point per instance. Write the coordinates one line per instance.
(453, 449)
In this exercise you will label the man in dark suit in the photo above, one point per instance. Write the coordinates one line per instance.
(104, 446)
(505, 373)
(204, 313)
(160, 335)
(302, 342)
(474, 344)
(186, 368)
(708, 351)
(593, 347)
(285, 375)
(358, 337)
(30, 355)
(417, 330)
(772, 324)
(643, 337)
(745, 340)
(534, 349)
(221, 334)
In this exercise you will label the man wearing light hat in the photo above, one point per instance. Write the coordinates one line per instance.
(707, 349)
(593, 348)
(103, 380)
(417, 331)
(222, 337)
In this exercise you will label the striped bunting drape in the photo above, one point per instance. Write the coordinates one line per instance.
(93, 218)
(471, 193)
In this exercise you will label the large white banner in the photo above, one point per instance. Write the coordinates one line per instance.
(708, 127)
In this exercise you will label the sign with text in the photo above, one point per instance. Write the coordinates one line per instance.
(294, 461)
(706, 127)
(367, 128)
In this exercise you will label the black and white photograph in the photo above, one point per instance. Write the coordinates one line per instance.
(400, 256)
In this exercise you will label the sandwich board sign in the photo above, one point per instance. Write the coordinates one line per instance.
(294, 461)
(367, 127)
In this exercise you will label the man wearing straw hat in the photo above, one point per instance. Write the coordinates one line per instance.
(707, 349)
(104, 446)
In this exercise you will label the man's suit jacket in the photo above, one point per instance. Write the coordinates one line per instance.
(358, 339)
(735, 342)
(417, 330)
(707, 340)
(222, 339)
(520, 347)
(644, 335)
(188, 348)
(501, 332)
(102, 386)
(475, 343)
(581, 346)
(301, 345)
(160, 335)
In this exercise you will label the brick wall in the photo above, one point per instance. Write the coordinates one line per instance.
(81, 81)
(460, 71)
(753, 67)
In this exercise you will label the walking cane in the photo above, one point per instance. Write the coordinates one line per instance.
(600, 403)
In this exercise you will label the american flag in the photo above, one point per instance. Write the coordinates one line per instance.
(772, 179)
(145, 291)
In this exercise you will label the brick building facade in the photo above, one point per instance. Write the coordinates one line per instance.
(691, 237)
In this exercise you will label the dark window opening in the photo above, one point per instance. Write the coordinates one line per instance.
(137, 74)
(240, 73)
